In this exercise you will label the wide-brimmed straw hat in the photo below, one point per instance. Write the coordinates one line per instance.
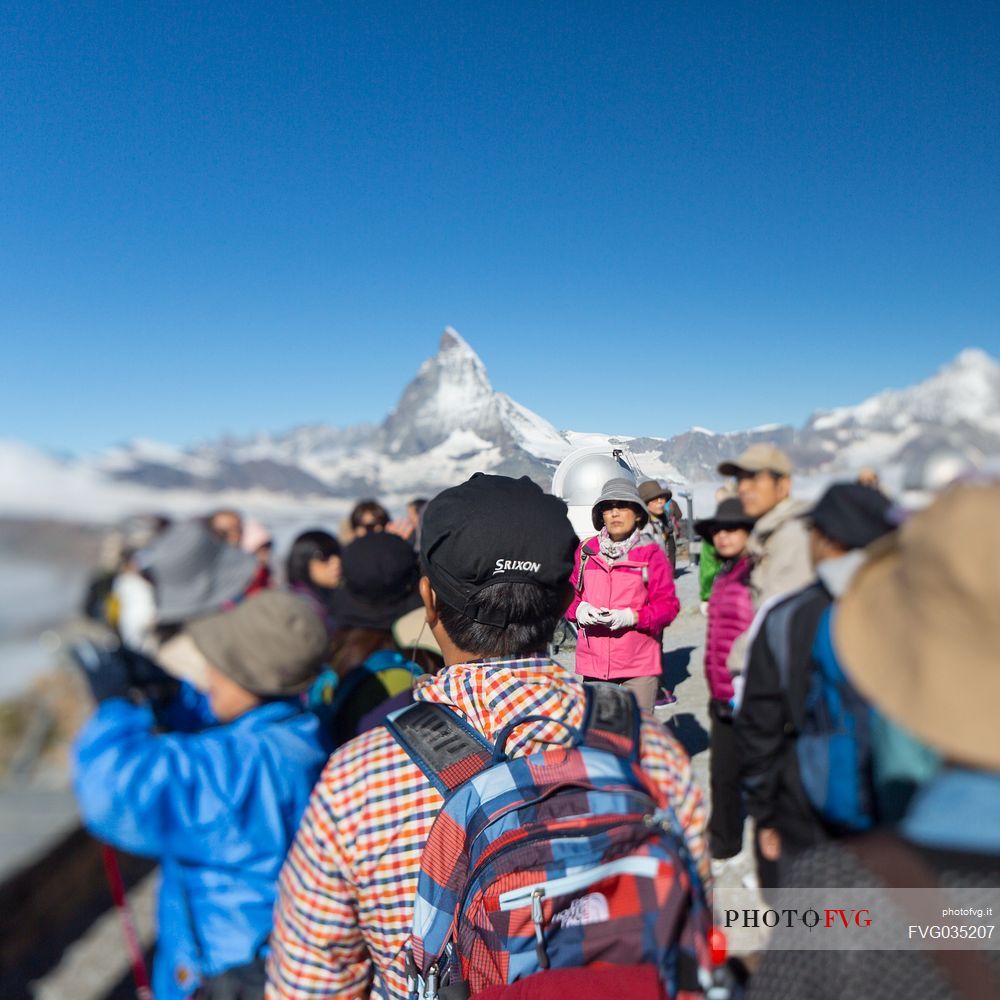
(918, 630)
(623, 491)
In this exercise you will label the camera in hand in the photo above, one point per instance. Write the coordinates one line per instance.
(120, 672)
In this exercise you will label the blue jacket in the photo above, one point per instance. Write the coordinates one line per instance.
(218, 807)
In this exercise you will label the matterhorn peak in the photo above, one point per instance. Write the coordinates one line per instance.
(458, 363)
(452, 340)
(451, 392)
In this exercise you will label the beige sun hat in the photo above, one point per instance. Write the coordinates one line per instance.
(918, 630)
(271, 644)
(760, 457)
(411, 632)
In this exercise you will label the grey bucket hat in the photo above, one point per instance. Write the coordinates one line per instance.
(195, 573)
(271, 644)
(620, 490)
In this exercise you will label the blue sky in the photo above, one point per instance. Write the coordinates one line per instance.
(231, 217)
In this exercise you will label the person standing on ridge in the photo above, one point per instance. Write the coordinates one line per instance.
(345, 908)
(783, 656)
(624, 596)
(212, 786)
(917, 633)
(314, 570)
(730, 612)
(779, 543)
(661, 526)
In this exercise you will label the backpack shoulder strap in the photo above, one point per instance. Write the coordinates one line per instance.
(445, 747)
(585, 555)
(611, 720)
(781, 624)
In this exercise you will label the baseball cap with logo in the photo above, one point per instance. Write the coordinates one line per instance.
(761, 457)
(490, 530)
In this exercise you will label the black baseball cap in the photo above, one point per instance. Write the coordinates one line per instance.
(490, 530)
(852, 515)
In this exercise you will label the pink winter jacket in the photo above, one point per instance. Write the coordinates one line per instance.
(635, 652)
(730, 612)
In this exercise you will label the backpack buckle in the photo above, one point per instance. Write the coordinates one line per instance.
(432, 982)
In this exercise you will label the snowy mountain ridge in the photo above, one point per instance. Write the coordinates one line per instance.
(450, 422)
(966, 389)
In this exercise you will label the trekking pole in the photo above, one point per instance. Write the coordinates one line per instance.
(143, 991)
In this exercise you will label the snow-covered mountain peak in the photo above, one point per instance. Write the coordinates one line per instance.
(453, 341)
(973, 359)
(455, 364)
(451, 391)
(965, 390)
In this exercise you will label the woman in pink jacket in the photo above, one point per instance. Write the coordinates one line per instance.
(624, 596)
(730, 612)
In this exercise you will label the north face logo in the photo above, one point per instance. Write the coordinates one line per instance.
(521, 566)
(589, 909)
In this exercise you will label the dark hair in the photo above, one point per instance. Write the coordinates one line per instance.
(533, 612)
(315, 544)
(350, 647)
(372, 507)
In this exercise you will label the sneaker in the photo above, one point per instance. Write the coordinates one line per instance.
(665, 698)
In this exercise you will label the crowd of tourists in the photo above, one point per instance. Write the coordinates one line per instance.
(364, 773)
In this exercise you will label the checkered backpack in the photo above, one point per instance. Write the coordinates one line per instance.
(563, 858)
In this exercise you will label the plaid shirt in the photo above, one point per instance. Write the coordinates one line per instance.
(346, 892)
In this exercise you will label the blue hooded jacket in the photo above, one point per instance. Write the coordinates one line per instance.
(219, 807)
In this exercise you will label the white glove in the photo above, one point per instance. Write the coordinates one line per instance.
(621, 618)
(704, 608)
(587, 614)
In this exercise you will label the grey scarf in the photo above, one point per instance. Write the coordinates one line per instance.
(613, 551)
